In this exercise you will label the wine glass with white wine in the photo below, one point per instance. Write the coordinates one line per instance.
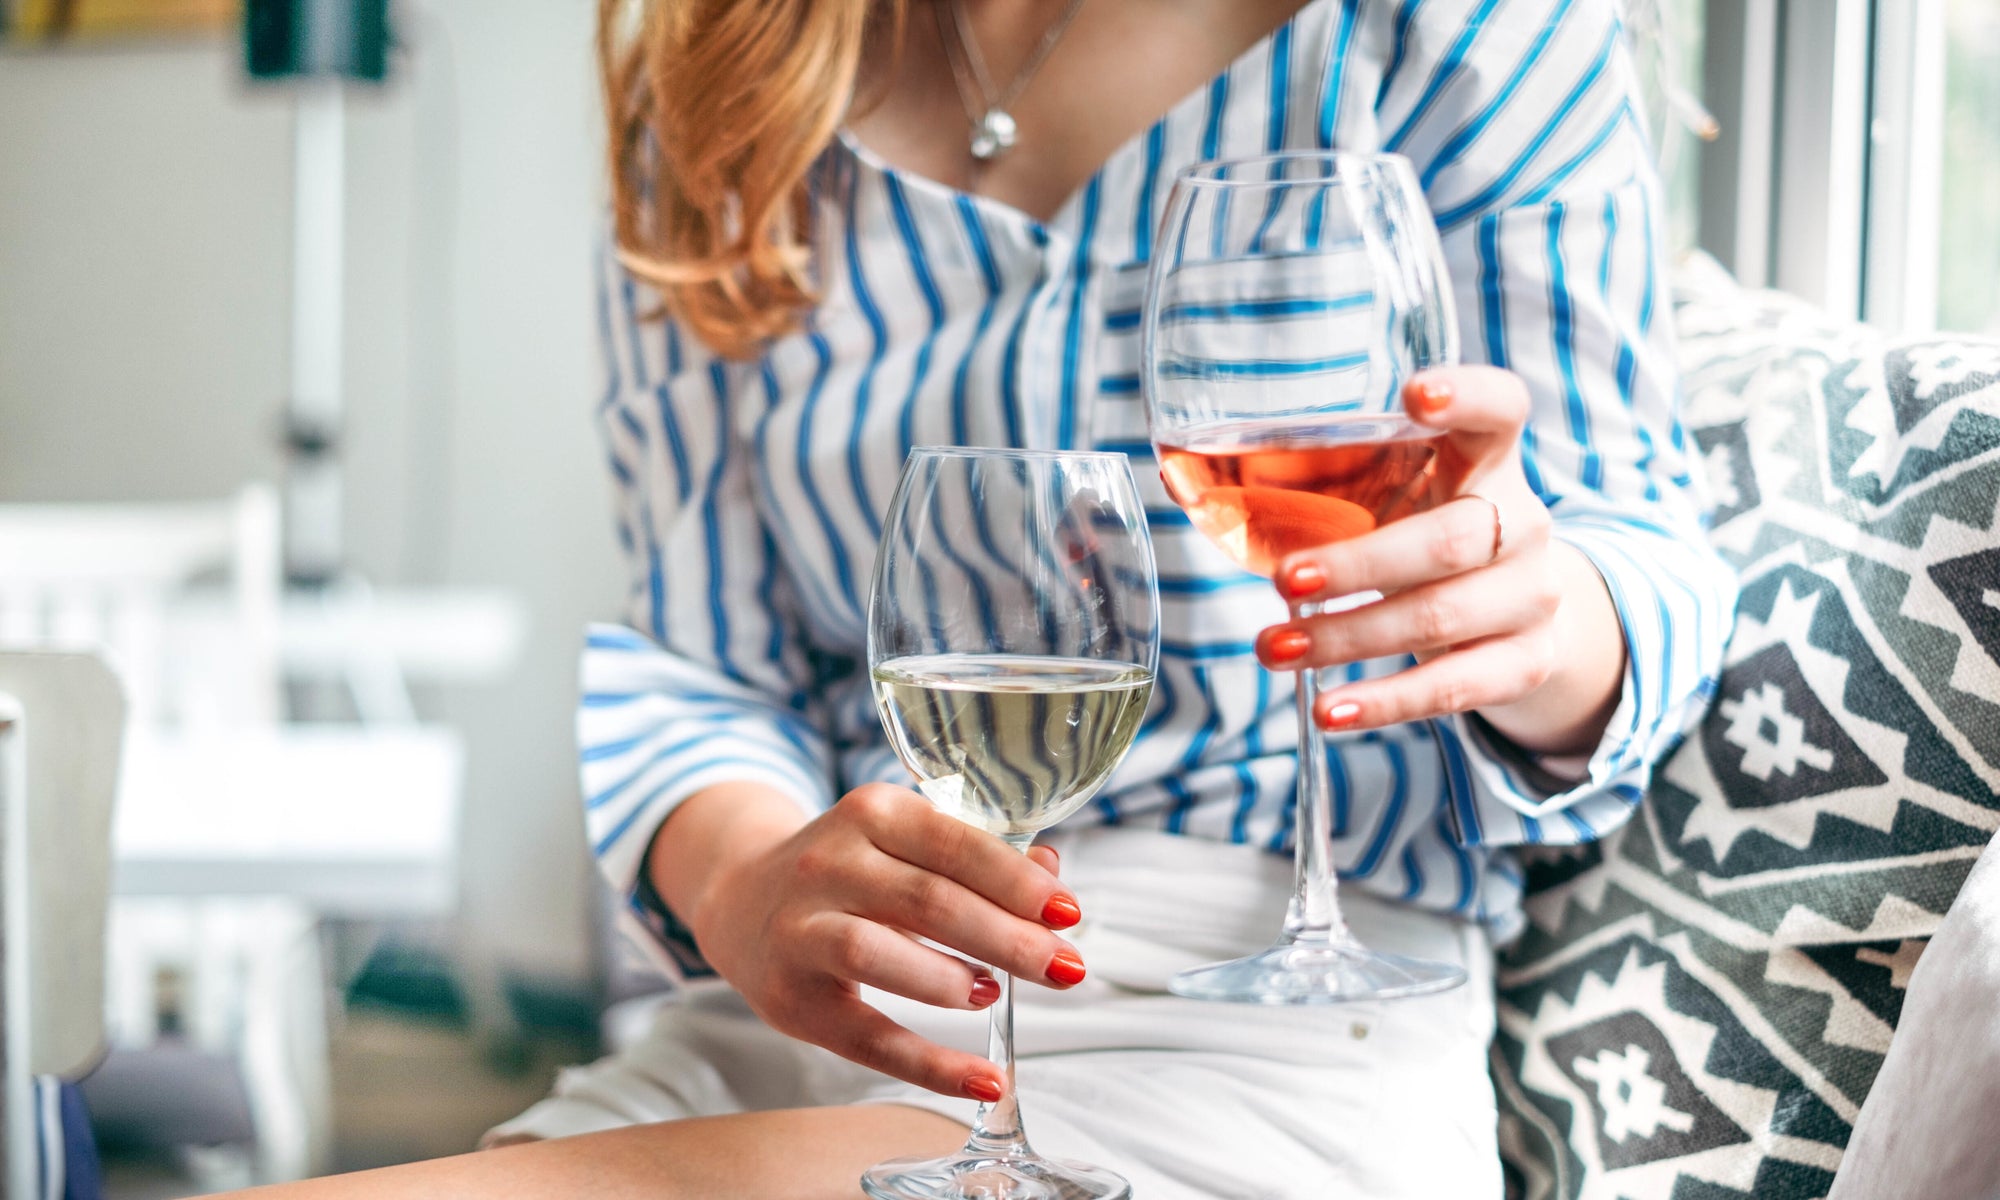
(1013, 635)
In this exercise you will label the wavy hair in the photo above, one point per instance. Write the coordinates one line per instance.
(717, 111)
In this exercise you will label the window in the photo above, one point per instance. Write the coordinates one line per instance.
(1968, 272)
(1859, 159)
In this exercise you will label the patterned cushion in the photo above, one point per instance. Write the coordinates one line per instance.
(1702, 1001)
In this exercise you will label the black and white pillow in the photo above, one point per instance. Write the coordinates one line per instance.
(1702, 1001)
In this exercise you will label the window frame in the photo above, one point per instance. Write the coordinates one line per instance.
(1830, 142)
(1906, 167)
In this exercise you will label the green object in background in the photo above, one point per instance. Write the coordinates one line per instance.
(283, 39)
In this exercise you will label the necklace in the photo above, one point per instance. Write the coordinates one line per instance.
(993, 128)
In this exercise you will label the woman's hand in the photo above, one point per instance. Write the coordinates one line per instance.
(798, 926)
(1475, 589)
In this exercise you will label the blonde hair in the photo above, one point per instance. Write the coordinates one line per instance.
(718, 110)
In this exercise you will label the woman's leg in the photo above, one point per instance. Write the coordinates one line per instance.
(787, 1154)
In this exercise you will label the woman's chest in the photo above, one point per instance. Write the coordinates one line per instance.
(947, 318)
(960, 332)
(970, 332)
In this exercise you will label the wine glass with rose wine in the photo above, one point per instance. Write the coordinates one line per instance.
(1012, 638)
(1290, 299)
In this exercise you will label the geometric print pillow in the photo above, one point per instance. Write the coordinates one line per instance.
(1702, 1000)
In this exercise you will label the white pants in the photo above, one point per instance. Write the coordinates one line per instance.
(1378, 1100)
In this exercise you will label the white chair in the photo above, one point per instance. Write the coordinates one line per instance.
(184, 600)
(61, 717)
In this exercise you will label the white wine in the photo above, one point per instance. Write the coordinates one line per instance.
(1010, 743)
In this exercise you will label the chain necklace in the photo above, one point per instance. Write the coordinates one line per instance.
(993, 128)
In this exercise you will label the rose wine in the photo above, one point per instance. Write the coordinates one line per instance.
(1264, 489)
(1010, 743)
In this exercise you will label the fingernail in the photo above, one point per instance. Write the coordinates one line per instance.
(1061, 912)
(1301, 580)
(985, 990)
(979, 1087)
(1339, 716)
(1065, 969)
(1427, 397)
(1286, 645)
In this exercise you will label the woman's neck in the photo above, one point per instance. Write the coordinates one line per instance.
(1119, 66)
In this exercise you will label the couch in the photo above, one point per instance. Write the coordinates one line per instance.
(1702, 1001)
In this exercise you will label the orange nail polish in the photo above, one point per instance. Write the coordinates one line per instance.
(979, 1087)
(1427, 397)
(1302, 581)
(1061, 912)
(1065, 969)
(1339, 716)
(985, 990)
(1286, 645)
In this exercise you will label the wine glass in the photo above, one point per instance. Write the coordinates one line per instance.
(1013, 634)
(1292, 297)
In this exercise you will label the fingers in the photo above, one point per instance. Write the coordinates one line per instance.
(905, 825)
(1427, 617)
(1449, 540)
(1468, 586)
(856, 884)
(862, 951)
(836, 1018)
(943, 910)
(1046, 858)
(1491, 672)
(1482, 405)
(913, 868)
(1484, 410)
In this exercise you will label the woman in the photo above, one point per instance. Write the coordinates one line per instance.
(852, 260)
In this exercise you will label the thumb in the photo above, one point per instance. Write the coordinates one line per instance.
(1046, 858)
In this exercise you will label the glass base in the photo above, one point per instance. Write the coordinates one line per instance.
(992, 1176)
(1316, 972)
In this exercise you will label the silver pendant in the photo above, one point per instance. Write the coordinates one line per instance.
(993, 136)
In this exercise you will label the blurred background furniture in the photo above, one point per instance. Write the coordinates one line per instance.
(113, 575)
(118, 578)
(148, 235)
(245, 842)
(61, 716)
(1702, 1001)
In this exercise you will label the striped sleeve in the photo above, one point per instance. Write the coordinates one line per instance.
(708, 679)
(1524, 126)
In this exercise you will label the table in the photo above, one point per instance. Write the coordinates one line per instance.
(352, 821)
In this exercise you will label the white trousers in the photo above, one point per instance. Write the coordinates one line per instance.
(1187, 1099)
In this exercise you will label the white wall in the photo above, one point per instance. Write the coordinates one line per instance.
(144, 249)
(143, 242)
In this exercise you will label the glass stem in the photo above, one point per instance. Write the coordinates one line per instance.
(1314, 913)
(996, 1129)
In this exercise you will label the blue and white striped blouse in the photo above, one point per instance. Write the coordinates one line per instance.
(750, 494)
